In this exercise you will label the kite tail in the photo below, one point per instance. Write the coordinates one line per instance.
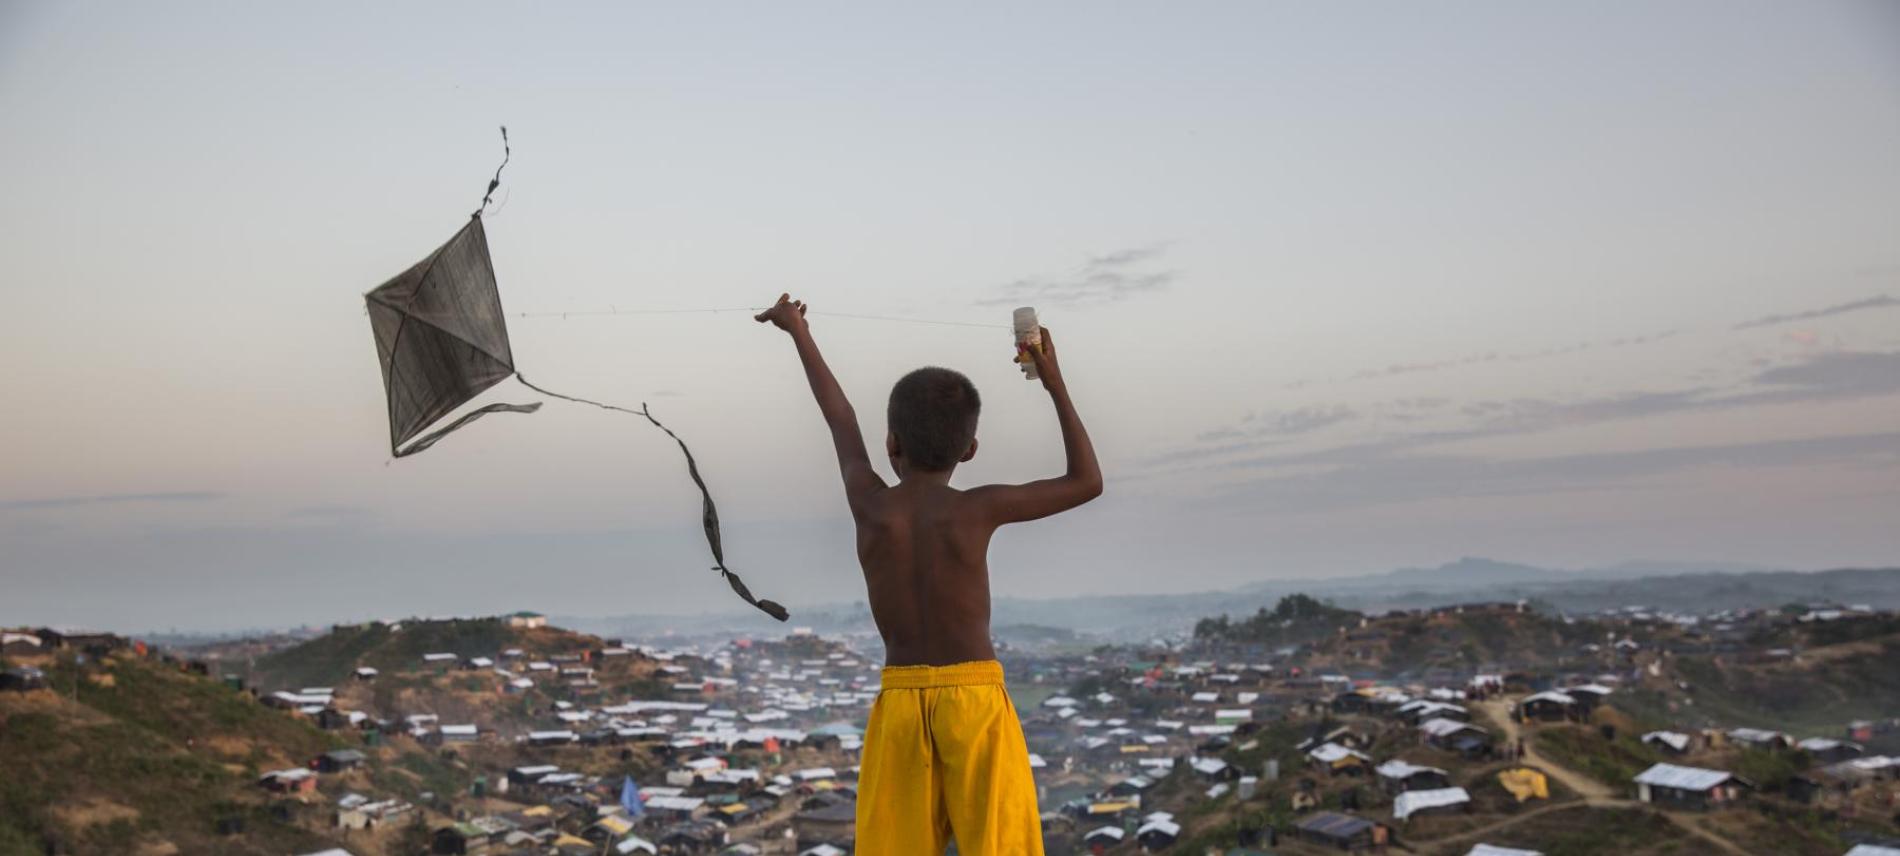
(425, 441)
(709, 513)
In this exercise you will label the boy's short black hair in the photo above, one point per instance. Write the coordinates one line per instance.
(933, 415)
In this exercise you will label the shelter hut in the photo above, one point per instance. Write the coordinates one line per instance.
(1342, 831)
(1688, 787)
(1398, 776)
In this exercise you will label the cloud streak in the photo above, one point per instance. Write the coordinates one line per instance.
(1819, 377)
(1411, 478)
(1397, 369)
(1102, 279)
(108, 499)
(1879, 301)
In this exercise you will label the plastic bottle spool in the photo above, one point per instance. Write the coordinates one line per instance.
(1028, 332)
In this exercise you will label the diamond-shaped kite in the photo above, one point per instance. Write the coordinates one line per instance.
(442, 340)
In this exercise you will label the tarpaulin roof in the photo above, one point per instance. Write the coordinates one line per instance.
(1413, 801)
(1525, 783)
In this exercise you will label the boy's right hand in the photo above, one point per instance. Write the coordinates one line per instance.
(1045, 359)
(787, 314)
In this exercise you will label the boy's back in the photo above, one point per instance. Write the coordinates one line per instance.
(943, 754)
(924, 552)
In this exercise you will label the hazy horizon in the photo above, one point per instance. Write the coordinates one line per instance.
(1337, 290)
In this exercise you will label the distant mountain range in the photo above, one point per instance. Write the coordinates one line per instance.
(1684, 586)
(1474, 571)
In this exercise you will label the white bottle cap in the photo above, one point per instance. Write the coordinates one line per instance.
(1025, 322)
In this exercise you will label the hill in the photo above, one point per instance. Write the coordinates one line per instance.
(330, 659)
(1681, 586)
(1414, 643)
(132, 755)
(1803, 688)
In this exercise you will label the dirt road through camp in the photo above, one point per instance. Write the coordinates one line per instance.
(1594, 793)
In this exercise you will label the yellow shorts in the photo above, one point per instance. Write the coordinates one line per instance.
(944, 756)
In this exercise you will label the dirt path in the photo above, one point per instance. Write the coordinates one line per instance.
(1595, 794)
(1499, 712)
(1456, 843)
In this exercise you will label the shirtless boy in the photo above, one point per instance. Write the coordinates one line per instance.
(943, 754)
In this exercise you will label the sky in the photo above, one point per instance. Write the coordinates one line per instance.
(1337, 288)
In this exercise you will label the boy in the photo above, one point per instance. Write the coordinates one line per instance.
(943, 754)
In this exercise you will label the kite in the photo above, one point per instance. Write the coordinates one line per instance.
(441, 339)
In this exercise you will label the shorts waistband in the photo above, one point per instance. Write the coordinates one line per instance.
(973, 673)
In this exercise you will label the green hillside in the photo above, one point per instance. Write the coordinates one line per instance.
(330, 659)
(131, 755)
(1815, 693)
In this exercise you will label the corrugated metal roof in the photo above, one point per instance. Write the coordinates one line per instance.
(1446, 727)
(1335, 825)
(1494, 850)
(1330, 752)
(1165, 827)
(1397, 769)
(1675, 740)
(1682, 778)
(1412, 801)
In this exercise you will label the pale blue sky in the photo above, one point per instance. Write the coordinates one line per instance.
(1407, 282)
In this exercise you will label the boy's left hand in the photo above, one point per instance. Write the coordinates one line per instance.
(787, 314)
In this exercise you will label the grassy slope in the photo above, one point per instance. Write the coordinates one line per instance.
(1818, 696)
(111, 771)
(1585, 831)
(330, 659)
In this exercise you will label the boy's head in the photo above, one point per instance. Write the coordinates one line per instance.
(932, 421)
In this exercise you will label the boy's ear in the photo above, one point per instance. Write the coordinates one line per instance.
(968, 453)
(890, 444)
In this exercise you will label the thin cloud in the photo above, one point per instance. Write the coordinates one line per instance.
(331, 513)
(1484, 357)
(1818, 377)
(1879, 301)
(1102, 279)
(1126, 257)
(1300, 420)
(108, 499)
(1282, 423)
(1837, 374)
(1411, 478)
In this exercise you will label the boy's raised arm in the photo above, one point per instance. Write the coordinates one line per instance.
(1015, 503)
(853, 462)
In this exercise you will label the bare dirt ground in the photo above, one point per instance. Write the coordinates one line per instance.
(1594, 793)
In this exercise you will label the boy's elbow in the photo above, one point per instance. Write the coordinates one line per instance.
(1090, 487)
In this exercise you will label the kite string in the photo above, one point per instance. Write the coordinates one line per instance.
(857, 316)
(551, 394)
(709, 511)
(495, 182)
